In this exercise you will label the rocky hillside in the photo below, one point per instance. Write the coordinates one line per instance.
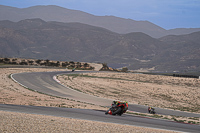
(38, 39)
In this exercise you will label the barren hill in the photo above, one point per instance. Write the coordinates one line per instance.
(113, 23)
(38, 39)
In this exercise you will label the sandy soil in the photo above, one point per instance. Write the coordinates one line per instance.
(12, 93)
(153, 90)
(19, 122)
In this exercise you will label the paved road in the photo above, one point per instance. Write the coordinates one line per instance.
(43, 82)
(98, 115)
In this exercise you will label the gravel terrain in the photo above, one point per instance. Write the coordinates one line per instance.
(30, 123)
(13, 93)
(153, 90)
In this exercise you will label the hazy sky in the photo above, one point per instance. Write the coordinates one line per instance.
(168, 14)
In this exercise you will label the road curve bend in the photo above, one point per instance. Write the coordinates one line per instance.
(44, 82)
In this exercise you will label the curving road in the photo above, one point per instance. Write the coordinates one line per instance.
(44, 82)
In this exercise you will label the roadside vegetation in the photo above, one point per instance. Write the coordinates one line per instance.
(190, 120)
(45, 63)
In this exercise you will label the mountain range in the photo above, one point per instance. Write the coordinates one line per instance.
(39, 39)
(112, 23)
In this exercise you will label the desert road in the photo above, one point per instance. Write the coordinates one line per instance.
(44, 82)
(99, 115)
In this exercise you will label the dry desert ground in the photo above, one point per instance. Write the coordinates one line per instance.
(152, 90)
(162, 91)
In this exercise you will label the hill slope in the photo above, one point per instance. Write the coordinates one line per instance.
(115, 24)
(35, 38)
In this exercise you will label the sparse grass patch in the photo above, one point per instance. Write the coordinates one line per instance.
(189, 109)
(115, 92)
(97, 91)
(75, 89)
(166, 117)
(9, 76)
(164, 97)
(192, 122)
(194, 118)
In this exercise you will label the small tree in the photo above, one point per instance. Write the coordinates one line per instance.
(58, 63)
(23, 63)
(30, 62)
(71, 62)
(64, 64)
(1, 60)
(86, 65)
(14, 59)
(38, 61)
(47, 61)
(6, 59)
(67, 63)
(124, 69)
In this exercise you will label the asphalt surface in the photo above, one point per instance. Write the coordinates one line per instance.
(99, 115)
(44, 82)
